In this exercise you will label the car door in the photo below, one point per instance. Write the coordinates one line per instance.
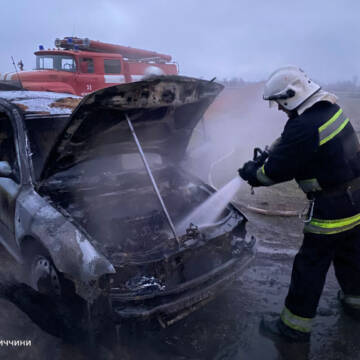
(9, 180)
(86, 78)
(113, 71)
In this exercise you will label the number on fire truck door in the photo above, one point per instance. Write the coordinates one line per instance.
(87, 78)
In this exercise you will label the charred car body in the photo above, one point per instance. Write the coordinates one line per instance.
(78, 206)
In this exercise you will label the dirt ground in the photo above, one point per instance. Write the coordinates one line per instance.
(228, 327)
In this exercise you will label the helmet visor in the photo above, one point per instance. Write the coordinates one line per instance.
(284, 95)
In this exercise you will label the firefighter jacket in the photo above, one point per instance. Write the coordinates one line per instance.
(320, 150)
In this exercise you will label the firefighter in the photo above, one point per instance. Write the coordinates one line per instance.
(21, 65)
(320, 150)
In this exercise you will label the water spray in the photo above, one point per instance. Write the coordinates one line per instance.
(208, 212)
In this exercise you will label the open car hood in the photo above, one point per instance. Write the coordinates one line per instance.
(164, 111)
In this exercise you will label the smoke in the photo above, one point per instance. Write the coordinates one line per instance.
(236, 122)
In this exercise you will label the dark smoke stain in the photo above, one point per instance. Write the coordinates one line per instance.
(145, 94)
(168, 96)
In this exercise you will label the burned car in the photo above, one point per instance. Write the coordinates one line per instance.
(91, 197)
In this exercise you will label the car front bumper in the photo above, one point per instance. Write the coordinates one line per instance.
(175, 304)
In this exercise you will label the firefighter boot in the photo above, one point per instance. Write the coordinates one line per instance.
(277, 330)
(351, 310)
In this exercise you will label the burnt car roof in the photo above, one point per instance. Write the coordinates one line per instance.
(164, 111)
(42, 102)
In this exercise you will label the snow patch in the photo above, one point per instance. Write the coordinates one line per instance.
(38, 101)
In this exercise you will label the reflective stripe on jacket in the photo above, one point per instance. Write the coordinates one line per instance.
(320, 150)
(319, 226)
(332, 127)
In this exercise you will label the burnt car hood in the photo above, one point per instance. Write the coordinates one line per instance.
(164, 111)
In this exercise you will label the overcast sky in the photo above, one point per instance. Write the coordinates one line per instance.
(207, 38)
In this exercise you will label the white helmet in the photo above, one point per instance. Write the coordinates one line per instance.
(290, 87)
(153, 71)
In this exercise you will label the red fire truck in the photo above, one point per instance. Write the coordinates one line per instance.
(80, 66)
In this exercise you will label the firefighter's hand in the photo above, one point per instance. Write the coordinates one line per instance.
(248, 173)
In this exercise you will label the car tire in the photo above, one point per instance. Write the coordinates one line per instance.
(41, 273)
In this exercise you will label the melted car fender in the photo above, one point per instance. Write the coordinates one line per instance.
(70, 250)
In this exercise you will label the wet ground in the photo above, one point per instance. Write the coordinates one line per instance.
(227, 328)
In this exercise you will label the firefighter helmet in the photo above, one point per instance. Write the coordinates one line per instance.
(153, 71)
(290, 87)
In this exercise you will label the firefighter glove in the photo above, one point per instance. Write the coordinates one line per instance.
(248, 173)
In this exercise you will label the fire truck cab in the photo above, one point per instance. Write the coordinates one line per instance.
(80, 66)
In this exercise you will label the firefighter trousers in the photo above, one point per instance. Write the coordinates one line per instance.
(312, 263)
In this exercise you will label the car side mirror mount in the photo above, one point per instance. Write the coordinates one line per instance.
(5, 169)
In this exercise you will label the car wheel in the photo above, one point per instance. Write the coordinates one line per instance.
(41, 273)
(44, 277)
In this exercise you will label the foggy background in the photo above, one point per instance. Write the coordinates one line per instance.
(240, 42)
(231, 39)
(208, 38)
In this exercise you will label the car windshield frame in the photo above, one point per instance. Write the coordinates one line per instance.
(56, 62)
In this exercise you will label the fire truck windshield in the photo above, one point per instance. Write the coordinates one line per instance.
(55, 62)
